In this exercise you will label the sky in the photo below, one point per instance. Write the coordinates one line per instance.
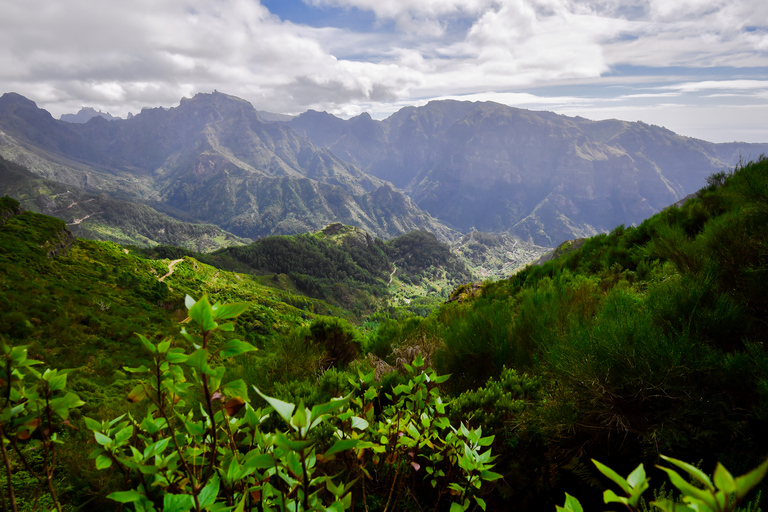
(697, 67)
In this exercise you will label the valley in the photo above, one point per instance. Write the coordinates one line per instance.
(367, 289)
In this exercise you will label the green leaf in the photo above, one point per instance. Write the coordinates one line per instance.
(137, 394)
(480, 502)
(259, 461)
(489, 476)
(125, 496)
(236, 388)
(230, 310)
(155, 448)
(341, 445)
(689, 490)
(140, 369)
(62, 405)
(102, 439)
(199, 360)
(284, 409)
(359, 423)
(672, 506)
(610, 497)
(123, 435)
(571, 504)
(235, 348)
(284, 441)
(724, 480)
(456, 507)
(147, 344)
(240, 506)
(176, 355)
(693, 471)
(208, 494)
(58, 382)
(177, 502)
(189, 302)
(202, 313)
(103, 462)
(636, 477)
(613, 476)
(746, 482)
(91, 423)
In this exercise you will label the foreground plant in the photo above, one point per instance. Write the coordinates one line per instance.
(34, 406)
(704, 495)
(215, 454)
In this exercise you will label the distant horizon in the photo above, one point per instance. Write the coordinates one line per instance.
(96, 109)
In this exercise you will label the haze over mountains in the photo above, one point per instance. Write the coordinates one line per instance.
(446, 167)
(212, 158)
(537, 175)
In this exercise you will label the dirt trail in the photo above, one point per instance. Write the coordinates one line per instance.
(170, 268)
(392, 274)
(78, 221)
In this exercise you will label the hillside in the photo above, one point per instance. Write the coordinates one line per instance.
(100, 217)
(213, 158)
(540, 176)
(646, 340)
(650, 339)
(346, 266)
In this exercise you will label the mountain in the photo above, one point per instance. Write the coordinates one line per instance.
(213, 158)
(100, 217)
(86, 114)
(540, 176)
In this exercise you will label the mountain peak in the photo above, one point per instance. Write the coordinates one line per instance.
(214, 98)
(13, 98)
(86, 114)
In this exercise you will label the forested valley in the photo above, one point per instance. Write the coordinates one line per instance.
(336, 371)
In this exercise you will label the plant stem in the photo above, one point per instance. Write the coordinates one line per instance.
(49, 459)
(7, 462)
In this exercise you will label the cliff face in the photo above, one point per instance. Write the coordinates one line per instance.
(213, 159)
(540, 176)
(60, 244)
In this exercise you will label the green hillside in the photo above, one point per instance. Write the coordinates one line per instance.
(649, 340)
(345, 266)
(100, 217)
(645, 341)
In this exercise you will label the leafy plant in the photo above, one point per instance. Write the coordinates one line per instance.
(34, 406)
(721, 493)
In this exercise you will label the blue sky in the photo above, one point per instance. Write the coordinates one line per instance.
(697, 67)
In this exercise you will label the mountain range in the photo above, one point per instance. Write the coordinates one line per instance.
(543, 177)
(214, 159)
(447, 167)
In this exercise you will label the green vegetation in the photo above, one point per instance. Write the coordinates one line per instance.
(100, 217)
(345, 266)
(645, 341)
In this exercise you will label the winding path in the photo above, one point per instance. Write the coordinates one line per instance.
(170, 268)
(392, 274)
(78, 221)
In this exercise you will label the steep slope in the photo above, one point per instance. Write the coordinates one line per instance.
(100, 217)
(213, 158)
(541, 176)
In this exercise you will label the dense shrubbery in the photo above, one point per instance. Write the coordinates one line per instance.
(646, 340)
(649, 338)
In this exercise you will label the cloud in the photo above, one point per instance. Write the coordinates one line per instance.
(122, 56)
(737, 85)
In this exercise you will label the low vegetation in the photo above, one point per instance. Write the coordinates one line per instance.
(643, 342)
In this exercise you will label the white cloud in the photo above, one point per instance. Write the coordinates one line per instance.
(706, 85)
(121, 56)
